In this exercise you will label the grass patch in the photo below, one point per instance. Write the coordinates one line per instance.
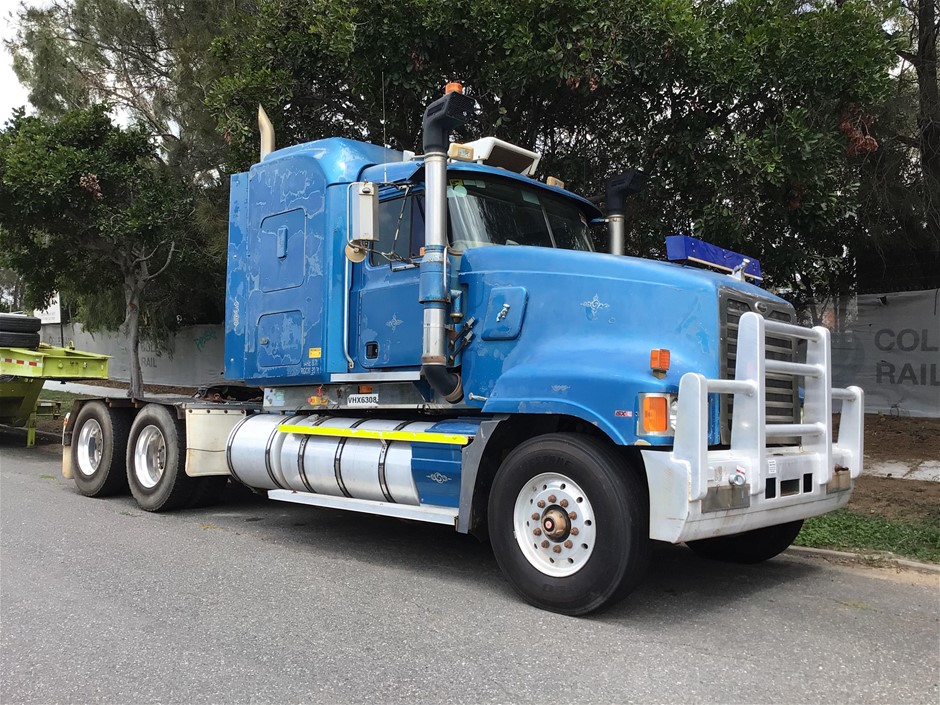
(66, 398)
(848, 530)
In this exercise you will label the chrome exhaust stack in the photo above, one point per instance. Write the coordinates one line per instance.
(619, 188)
(440, 118)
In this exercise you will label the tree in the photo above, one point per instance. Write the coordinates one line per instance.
(148, 59)
(87, 208)
(11, 291)
(900, 185)
(733, 107)
(745, 112)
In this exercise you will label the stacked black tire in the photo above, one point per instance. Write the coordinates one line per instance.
(19, 331)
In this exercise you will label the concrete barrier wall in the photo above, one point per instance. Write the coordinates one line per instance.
(194, 358)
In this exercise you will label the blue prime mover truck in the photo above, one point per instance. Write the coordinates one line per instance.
(436, 340)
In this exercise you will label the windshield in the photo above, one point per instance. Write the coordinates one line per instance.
(497, 212)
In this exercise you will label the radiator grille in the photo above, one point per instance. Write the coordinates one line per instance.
(782, 397)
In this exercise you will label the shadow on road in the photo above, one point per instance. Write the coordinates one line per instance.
(679, 586)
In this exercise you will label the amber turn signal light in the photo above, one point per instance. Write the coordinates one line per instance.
(659, 360)
(655, 414)
(453, 87)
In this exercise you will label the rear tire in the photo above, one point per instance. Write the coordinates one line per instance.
(156, 457)
(15, 323)
(98, 450)
(753, 546)
(589, 545)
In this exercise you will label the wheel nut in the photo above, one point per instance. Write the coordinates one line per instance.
(540, 504)
(537, 532)
(572, 515)
(557, 549)
(563, 503)
(535, 516)
(552, 498)
(544, 544)
(568, 544)
(574, 531)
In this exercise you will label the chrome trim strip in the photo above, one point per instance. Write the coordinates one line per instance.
(409, 376)
(434, 515)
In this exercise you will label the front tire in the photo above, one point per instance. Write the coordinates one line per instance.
(98, 449)
(754, 546)
(156, 457)
(569, 523)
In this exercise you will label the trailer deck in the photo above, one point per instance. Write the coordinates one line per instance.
(24, 371)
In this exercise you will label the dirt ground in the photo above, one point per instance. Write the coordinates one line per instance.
(893, 498)
(901, 438)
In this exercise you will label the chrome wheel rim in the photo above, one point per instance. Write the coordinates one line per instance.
(553, 521)
(149, 456)
(89, 448)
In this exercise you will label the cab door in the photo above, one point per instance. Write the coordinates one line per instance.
(388, 330)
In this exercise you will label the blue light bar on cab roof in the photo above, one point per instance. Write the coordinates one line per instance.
(682, 248)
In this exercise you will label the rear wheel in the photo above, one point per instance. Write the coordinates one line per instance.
(156, 456)
(99, 445)
(569, 524)
(753, 546)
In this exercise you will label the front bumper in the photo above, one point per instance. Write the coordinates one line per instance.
(697, 493)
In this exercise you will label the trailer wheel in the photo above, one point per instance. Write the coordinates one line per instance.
(569, 523)
(19, 340)
(753, 546)
(16, 323)
(156, 453)
(99, 445)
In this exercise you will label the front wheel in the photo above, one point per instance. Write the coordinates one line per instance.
(569, 523)
(753, 546)
(156, 457)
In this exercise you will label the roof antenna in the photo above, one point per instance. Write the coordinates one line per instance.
(384, 130)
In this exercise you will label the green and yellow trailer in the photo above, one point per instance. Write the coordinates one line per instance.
(24, 371)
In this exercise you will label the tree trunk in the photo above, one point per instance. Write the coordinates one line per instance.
(929, 114)
(131, 330)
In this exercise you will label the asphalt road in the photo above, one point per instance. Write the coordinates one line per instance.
(255, 601)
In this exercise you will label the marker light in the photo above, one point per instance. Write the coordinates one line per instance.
(655, 414)
(552, 181)
(453, 87)
(659, 360)
(461, 152)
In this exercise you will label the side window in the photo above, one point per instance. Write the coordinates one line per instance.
(406, 216)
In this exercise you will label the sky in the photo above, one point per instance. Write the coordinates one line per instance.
(12, 94)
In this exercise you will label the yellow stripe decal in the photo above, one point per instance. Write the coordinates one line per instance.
(452, 439)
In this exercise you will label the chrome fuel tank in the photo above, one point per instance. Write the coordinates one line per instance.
(253, 451)
(361, 468)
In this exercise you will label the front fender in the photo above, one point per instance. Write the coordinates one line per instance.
(598, 394)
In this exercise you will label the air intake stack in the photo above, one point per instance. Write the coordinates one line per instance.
(440, 119)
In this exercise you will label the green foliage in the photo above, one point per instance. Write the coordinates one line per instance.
(734, 108)
(848, 530)
(146, 58)
(87, 208)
